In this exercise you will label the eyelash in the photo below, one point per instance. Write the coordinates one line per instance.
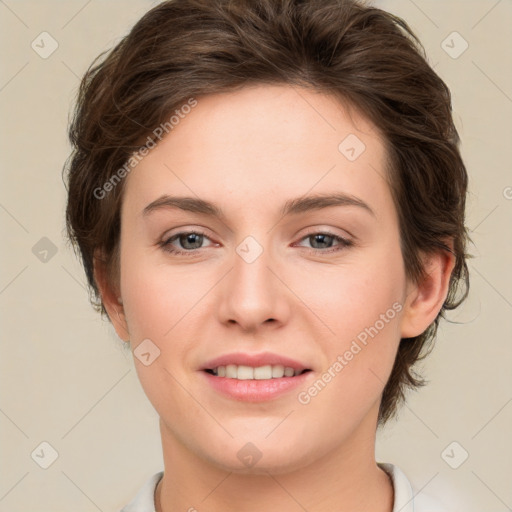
(167, 247)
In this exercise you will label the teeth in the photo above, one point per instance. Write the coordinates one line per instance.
(242, 372)
(245, 373)
(289, 372)
(231, 371)
(262, 372)
(277, 371)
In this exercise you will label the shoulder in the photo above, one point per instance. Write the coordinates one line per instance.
(407, 498)
(144, 500)
(426, 503)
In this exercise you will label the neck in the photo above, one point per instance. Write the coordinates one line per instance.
(345, 479)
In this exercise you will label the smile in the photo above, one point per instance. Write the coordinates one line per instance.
(243, 372)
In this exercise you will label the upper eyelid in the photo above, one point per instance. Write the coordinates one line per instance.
(331, 230)
(185, 230)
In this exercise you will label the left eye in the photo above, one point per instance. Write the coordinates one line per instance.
(324, 239)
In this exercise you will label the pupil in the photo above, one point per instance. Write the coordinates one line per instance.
(321, 238)
(190, 238)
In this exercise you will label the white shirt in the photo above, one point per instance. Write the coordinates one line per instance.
(406, 500)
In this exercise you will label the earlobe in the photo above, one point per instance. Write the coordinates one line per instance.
(121, 326)
(425, 299)
(110, 297)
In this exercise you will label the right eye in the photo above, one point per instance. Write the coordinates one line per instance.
(190, 241)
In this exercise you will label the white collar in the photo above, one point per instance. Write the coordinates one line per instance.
(405, 499)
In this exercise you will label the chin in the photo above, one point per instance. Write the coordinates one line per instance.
(261, 456)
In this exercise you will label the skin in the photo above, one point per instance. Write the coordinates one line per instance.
(249, 152)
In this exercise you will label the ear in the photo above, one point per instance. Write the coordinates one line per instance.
(109, 289)
(425, 299)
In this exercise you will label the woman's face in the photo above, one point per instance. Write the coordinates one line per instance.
(256, 281)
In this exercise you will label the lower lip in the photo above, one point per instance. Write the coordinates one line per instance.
(255, 390)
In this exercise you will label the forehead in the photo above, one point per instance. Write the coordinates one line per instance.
(263, 142)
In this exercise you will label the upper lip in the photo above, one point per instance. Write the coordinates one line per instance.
(254, 360)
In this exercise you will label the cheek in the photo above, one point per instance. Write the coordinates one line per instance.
(353, 295)
(360, 303)
(159, 298)
(358, 364)
(159, 305)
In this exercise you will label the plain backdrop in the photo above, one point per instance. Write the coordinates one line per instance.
(65, 378)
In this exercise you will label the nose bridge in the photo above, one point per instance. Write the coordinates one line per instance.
(252, 277)
(252, 293)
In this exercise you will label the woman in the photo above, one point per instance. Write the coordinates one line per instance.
(268, 199)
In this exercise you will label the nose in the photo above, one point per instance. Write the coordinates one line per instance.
(252, 294)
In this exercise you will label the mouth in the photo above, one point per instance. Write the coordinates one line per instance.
(266, 372)
(255, 377)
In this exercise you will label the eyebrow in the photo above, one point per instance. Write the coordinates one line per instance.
(290, 207)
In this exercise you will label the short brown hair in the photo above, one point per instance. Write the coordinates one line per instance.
(364, 56)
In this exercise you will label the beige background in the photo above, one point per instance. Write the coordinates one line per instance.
(67, 380)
